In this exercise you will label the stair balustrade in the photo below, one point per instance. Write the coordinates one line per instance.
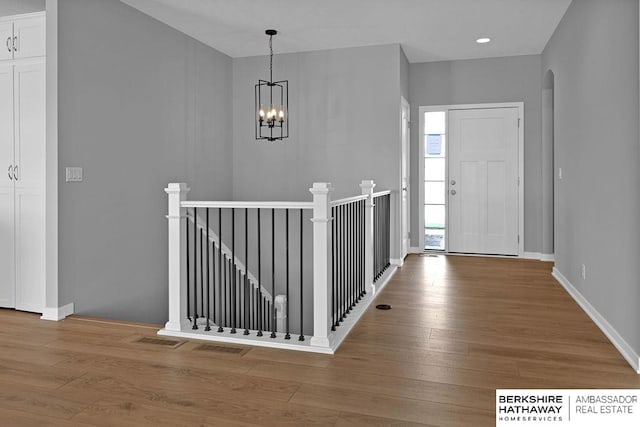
(292, 275)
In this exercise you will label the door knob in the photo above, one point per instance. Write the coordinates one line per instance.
(453, 192)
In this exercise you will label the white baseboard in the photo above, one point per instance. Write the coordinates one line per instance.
(57, 313)
(616, 339)
(416, 250)
(397, 262)
(548, 257)
(539, 256)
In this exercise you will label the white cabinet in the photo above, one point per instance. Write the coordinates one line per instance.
(22, 37)
(22, 201)
(6, 38)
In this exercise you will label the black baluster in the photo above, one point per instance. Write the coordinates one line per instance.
(232, 302)
(343, 260)
(301, 337)
(362, 244)
(213, 279)
(347, 255)
(259, 280)
(229, 309)
(186, 222)
(195, 269)
(340, 264)
(220, 267)
(286, 250)
(208, 327)
(357, 235)
(246, 271)
(333, 269)
(202, 272)
(273, 273)
(352, 263)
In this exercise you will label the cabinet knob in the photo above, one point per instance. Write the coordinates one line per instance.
(9, 43)
(15, 172)
(9, 173)
(15, 44)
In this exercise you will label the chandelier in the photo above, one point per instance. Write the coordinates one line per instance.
(272, 103)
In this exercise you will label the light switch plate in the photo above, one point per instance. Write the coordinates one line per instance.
(74, 174)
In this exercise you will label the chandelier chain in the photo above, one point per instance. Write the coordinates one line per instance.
(271, 59)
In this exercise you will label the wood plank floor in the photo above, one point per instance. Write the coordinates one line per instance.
(459, 328)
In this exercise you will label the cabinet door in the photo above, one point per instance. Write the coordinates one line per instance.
(6, 40)
(29, 125)
(7, 230)
(29, 37)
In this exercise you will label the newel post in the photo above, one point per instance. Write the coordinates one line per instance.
(177, 193)
(367, 187)
(321, 263)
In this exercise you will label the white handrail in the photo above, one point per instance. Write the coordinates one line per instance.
(348, 200)
(247, 205)
(381, 193)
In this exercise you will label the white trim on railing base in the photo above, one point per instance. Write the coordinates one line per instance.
(397, 262)
(327, 346)
(57, 313)
(616, 339)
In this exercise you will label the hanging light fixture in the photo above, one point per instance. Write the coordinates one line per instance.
(272, 103)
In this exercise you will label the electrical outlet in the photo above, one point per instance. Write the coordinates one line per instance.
(583, 272)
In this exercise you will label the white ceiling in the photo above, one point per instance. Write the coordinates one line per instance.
(428, 30)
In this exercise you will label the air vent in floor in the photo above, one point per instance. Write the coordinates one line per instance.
(159, 341)
(221, 349)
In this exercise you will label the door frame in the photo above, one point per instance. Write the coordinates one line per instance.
(405, 156)
(446, 109)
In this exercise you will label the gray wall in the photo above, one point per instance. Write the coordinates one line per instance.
(15, 7)
(344, 110)
(511, 79)
(140, 105)
(594, 57)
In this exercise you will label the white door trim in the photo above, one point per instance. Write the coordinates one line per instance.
(405, 242)
(446, 109)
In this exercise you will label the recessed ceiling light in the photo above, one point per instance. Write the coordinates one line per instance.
(483, 40)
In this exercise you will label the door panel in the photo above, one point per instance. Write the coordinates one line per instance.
(30, 289)
(30, 37)
(6, 42)
(7, 230)
(29, 95)
(483, 163)
(7, 255)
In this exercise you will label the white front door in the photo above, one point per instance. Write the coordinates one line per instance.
(483, 181)
(404, 170)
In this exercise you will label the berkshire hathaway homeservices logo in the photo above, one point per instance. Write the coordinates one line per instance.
(556, 408)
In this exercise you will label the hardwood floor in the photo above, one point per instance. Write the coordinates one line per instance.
(459, 328)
